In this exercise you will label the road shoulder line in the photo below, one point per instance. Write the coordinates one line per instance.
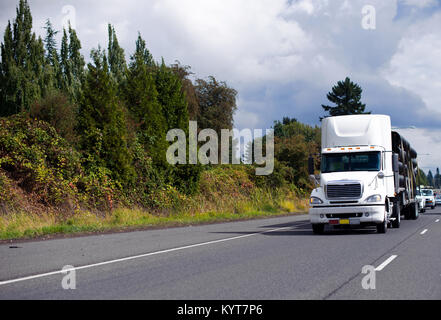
(137, 256)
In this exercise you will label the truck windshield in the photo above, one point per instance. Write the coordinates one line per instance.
(427, 192)
(357, 161)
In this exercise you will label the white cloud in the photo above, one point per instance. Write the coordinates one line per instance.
(240, 40)
(306, 6)
(419, 3)
(416, 65)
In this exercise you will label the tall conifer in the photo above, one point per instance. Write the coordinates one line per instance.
(102, 123)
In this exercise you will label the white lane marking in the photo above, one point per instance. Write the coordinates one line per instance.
(385, 263)
(437, 220)
(135, 257)
(424, 231)
(303, 225)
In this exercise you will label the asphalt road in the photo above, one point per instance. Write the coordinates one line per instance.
(275, 258)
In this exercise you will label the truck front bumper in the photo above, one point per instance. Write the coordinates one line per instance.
(355, 214)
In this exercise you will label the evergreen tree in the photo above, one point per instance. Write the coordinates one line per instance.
(75, 55)
(430, 180)
(51, 44)
(141, 49)
(52, 58)
(77, 64)
(437, 179)
(9, 76)
(117, 60)
(346, 96)
(102, 122)
(174, 107)
(142, 101)
(188, 88)
(171, 98)
(422, 178)
(71, 64)
(65, 64)
(23, 67)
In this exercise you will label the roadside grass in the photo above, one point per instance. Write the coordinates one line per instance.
(23, 225)
(226, 193)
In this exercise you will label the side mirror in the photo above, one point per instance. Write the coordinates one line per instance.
(311, 165)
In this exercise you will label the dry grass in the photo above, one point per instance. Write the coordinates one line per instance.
(29, 225)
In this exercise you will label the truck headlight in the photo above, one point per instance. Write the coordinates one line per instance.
(374, 198)
(315, 200)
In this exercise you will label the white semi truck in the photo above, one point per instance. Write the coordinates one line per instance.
(367, 177)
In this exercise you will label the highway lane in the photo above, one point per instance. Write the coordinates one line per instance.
(276, 258)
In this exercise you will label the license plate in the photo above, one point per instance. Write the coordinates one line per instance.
(344, 221)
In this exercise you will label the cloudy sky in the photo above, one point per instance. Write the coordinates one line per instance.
(284, 56)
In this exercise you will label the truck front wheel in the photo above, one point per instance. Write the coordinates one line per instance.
(396, 213)
(414, 211)
(318, 228)
(382, 227)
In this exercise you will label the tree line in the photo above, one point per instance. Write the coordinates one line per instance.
(115, 111)
(433, 180)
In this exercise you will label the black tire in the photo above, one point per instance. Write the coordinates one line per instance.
(382, 227)
(396, 213)
(407, 213)
(413, 210)
(318, 228)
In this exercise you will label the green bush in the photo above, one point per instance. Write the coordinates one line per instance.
(226, 180)
(5, 188)
(186, 177)
(149, 178)
(59, 112)
(282, 176)
(38, 158)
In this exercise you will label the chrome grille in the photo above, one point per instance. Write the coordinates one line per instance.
(347, 191)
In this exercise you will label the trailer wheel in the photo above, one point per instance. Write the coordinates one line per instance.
(318, 228)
